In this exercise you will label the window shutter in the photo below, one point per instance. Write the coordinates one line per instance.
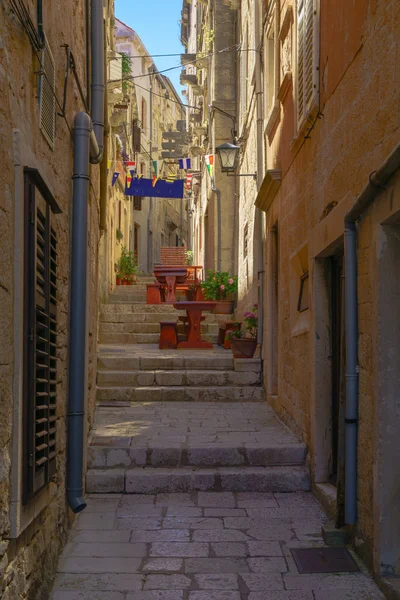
(307, 61)
(47, 88)
(137, 202)
(41, 344)
(136, 141)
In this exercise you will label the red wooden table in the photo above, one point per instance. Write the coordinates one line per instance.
(194, 312)
(170, 276)
(194, 273)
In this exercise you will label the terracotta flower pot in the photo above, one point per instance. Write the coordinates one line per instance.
(118, 280)
(243, 347)
(190, 295)
(224, 307)
(199, 297)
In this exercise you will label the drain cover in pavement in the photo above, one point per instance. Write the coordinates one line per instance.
(324, 560)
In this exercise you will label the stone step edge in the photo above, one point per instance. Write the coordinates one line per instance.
(253, 377)
(202, 456)
(177, 387)
(148, 480)
(123, 396)
(147, 369)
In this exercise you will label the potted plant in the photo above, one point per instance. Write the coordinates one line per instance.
(128, 266)
(118, 273)
(220, 286)
(244, 342)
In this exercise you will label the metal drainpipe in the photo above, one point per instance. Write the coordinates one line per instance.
(376, 184)
(149, 269)
(88, 142)
(219, 225)
(260, 173)
(40, 20)
(104, 166)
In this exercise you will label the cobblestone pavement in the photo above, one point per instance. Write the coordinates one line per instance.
(199, 546)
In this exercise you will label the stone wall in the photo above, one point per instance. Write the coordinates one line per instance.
(32, 536)
(324, 168)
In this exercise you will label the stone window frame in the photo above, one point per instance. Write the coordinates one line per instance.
(271, 30)
(244, 77)
(22, 515)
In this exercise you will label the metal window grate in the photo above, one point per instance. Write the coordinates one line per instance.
(47, 89)
(40, 374)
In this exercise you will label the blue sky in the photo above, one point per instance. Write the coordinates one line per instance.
(157, 24)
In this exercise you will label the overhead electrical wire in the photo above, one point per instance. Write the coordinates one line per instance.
(234, 47)
(160, 96)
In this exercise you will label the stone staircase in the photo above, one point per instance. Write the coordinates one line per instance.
(178, 421)
(145, 373)
(129, 320)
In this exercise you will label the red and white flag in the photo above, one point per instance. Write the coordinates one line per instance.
(189, 181)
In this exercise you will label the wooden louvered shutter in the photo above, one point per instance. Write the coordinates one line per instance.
(41, 343)
(307, 61)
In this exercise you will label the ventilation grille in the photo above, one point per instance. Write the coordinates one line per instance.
(47, 96)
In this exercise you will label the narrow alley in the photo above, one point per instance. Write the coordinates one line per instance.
(196, 491)
(199, 300)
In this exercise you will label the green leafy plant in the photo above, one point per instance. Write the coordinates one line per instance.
(219, 285)
(189, 257)
(127, 264)
(126, 70)
(119, 234)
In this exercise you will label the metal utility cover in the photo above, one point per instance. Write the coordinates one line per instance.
(324, 560)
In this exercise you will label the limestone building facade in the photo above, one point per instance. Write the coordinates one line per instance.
(207, 30)
(316, 103)
(45, 77)
(143, 104)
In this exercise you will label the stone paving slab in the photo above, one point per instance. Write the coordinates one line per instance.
(193, 546)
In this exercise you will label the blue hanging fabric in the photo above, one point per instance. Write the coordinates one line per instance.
(162, 189)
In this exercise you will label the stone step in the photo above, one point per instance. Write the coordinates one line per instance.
(140, 307)
(176, 377)
(107, 395)
(134, 327)
(149, 480)
(173, 454)
(181, 361)
(142, 338)
(140, 288)
(137, 297)
(154, 317)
